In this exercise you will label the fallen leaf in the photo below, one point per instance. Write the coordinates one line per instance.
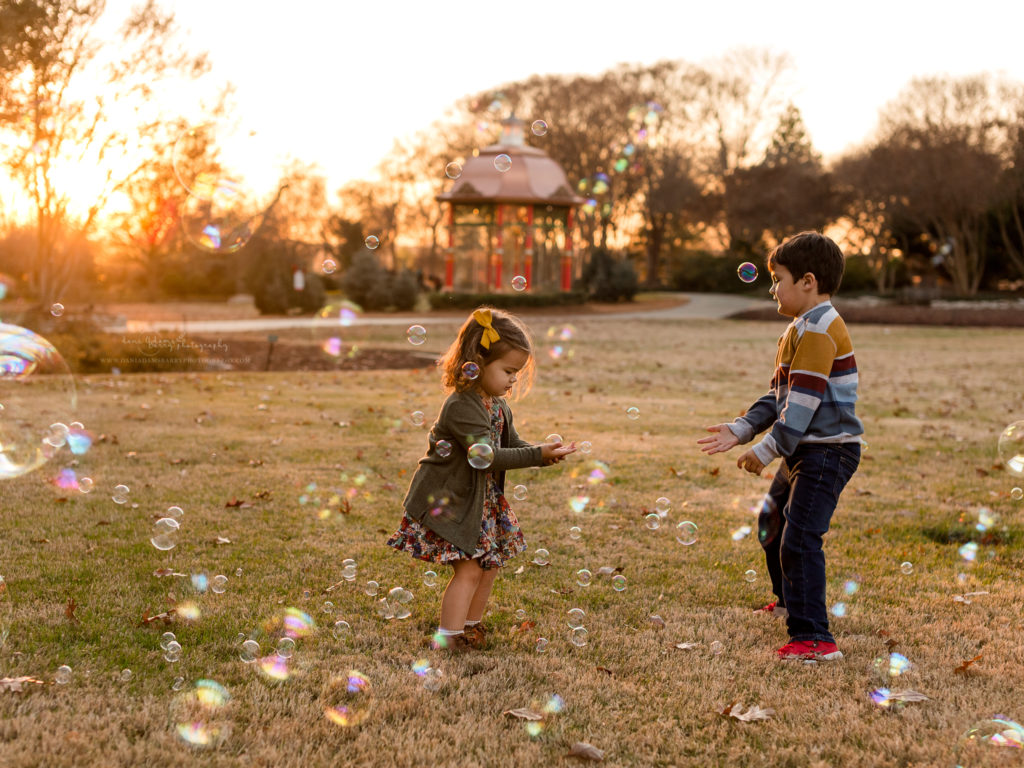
(62, 500)
(962, 668)
(524, 714)
(657, 621)
(234, 502)
(166, 617)
(525, 626)
(714, 472)
(981, 472)
(686, 646)
(606, 671)
(605, 570)
(675, 472)
(221, 540)
(734, 711)
(263, 494)
(40, 541)
(519, 570)
(18, 683)
(161, 572)
(586, 751)
(890, 644)
(69, 610)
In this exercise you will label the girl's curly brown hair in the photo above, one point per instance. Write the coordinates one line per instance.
(466, 348)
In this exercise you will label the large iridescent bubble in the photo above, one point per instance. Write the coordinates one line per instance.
(37, 399)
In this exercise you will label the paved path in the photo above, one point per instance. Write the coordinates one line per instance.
(700, 306)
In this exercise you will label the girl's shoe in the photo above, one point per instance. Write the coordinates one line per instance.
(476, 636)
(809, 650)
(450, 643)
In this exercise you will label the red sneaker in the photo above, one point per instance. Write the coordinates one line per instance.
(774, 609)
(809, 650)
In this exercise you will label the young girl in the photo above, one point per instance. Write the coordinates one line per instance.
(455, 509)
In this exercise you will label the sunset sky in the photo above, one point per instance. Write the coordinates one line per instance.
(335, 83)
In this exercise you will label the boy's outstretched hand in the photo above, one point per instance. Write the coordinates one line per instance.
(552, 453)
(721, 440)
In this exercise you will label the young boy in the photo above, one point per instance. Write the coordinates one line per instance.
(809, 411)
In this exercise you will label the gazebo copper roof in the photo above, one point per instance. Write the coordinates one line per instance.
(533, 178)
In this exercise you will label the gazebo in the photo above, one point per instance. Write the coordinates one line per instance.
(510, 213)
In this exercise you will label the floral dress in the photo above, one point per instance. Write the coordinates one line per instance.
(500, 536)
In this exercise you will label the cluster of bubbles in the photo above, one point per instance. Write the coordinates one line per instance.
(201, 714)
(396, 604)
(431, 677)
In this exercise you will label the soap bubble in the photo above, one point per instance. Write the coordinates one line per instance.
(502, 163)
(554, 437)
(716, 648)
(63, 675)
(662, 506)
(540, 557)
(178, 684)
(576, 617)
(433, 679)
(347, 701)
(430, 579)
(470, 371)
(618, 582)
(172, 653)
(163, 533)
(519, 283)
(416, 334)
(586, 446)
(575, 533)
(443, 448)
(285, 647)
(519, 492)
(969, 551)
(480, 455)
(37, 393)
(747, 272)
(335, 328)
(250, 651)
(342, 630)
(348, 569)
(584, 577)
(850, 587)
(839, 610)
(57, 309)
(328, 266)
(893, 665)
(199, 717)
(176, 512)
(327, 607)
(652, 521)
(86, 484)
(542, 644)
(219, 584)
(120, 495)
(750, 576)
(417, 418)
(1015, 493)
(539, 127)
(579, 636)
(632, 413)
(220, 215)
(995, 742)
(453, 170)
(906, 568)
(686, 533)
(1011, 448)
(372, 241)
(166, 639)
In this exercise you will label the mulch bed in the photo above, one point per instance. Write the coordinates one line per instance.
(248, 354)
(902, 314)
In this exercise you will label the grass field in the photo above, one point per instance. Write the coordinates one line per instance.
(268, 464)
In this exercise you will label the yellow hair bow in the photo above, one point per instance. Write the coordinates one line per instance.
(483, 317)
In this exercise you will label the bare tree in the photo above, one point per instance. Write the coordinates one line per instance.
(55, 124)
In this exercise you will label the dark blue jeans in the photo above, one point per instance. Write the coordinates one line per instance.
(794, 517)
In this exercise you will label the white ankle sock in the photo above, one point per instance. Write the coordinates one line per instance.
(472, 623)
(448, 632)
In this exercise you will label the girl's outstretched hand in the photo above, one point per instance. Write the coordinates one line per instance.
(722, 440)
(552, 453)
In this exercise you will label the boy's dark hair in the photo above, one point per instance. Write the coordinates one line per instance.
(811, 252)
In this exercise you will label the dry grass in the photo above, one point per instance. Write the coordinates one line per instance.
(933, 401)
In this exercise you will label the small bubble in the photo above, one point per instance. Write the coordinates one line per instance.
(519, 283)
(126, 675)
(285, 647)
(417, 418)
(342, 630)
(539, 128)
(453, 170)
(652, 521)
(542, 644)
(86, 484)
(540, 557)
(178, 684)
(1015, 493)
(57, 309)
(372, 587)
(554, 437)
(618, 582)
(470, 370)
(172, 652)
(416, 334)
(519, 492)
(430, 579)
(686, 533)
(839, 610)
(575, 617)
(586, 446)
(219, 584)
(584, 577)
(329, 266)
(747, 272)
(120, 495)
(579, 636)
(502, 163)
(750, 576)
(63, 675)
(716, 648)
(372, 241)
(906, 568)
(632, 413)
(443, 448)
(575, 533)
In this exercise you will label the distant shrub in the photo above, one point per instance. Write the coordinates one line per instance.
(705, 272)
(511, 301)
(605, 278)
(371, 286)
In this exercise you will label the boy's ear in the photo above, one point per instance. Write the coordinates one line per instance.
(809, 279)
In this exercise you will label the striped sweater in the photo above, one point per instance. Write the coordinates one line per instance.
(813, 390)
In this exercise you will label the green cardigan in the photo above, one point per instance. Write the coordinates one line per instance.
(446, 494)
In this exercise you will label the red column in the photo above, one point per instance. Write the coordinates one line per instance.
(499, 240)
(528, 273)
(567, 254)
(449, 256)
